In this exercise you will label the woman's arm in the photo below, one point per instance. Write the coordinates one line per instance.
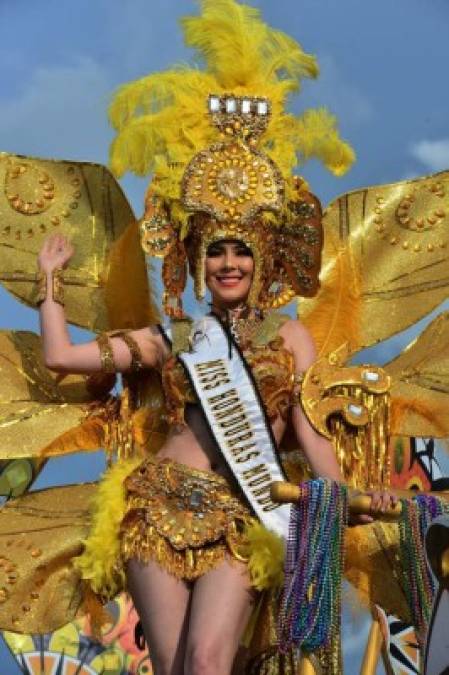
(318, 450)
(59, 352)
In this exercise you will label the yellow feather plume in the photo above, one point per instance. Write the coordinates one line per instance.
(265, 552)
(335, 319)
(97, 564)
(161, 120)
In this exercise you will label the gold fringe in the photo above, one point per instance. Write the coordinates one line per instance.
(146, 544)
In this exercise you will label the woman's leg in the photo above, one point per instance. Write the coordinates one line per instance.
(162, 602)
(220, 608)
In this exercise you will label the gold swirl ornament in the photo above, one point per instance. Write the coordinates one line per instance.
(330, 388)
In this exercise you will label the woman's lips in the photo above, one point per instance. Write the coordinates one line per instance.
(229, 282)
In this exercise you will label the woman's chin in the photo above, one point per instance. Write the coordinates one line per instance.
(229, 295)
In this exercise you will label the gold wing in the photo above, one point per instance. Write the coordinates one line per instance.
(420, 384)
(385, 265)
(40, 413)
(106, 283)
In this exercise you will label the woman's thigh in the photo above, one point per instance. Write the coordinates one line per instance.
(221, 605)
(162, 602)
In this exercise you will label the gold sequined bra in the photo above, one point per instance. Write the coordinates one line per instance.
(272, 366)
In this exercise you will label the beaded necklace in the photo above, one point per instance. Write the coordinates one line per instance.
(416, 515)
(311, 598)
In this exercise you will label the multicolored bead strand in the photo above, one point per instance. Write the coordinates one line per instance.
(417, 580)
(311, 599)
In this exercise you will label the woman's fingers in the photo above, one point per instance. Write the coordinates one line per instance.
(382, 501)
(56, 251)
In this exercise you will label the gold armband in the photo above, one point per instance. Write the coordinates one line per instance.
(57, 287)
(135, 351)
(297, 387)
(106, 354)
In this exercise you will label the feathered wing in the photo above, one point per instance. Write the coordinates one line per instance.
(386, 263)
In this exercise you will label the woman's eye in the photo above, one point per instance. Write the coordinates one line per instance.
(244, 251)
(213, 252)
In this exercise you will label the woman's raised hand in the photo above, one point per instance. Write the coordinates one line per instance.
(55, 253)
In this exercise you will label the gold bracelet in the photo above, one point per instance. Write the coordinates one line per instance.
(135, 351)
(40, 287)
(106, 354)
(57, 286)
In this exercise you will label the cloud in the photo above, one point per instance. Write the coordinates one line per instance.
(59, 113)
(433, 154)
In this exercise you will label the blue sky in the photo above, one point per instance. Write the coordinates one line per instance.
(384, 74)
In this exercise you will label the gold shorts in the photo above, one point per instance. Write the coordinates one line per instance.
(184, 519)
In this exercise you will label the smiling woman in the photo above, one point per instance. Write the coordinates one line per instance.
(181, 525)
(229, 273)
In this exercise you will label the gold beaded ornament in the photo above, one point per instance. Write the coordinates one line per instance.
(222, 149)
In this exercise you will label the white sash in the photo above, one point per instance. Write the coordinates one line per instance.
(230, 401)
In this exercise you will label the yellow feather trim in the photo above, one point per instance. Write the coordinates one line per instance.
(98, 562)
(265, 552)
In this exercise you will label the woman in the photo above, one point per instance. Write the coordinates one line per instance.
(192, 625)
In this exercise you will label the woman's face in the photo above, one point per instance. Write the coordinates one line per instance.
(229, 272)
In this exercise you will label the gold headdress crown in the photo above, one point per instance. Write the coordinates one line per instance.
(222, 149)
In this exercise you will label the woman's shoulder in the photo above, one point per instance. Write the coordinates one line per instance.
(299, 340)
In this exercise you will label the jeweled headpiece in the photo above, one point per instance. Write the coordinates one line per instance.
(222, 150)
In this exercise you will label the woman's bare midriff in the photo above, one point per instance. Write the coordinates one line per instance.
(194, 445)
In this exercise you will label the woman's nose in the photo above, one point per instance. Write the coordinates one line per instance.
(229, 260)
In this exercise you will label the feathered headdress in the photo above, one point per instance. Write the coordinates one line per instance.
(205, 131)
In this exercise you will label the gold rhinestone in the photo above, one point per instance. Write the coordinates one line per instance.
(430, 247)
(405, 245)
(36, 552)
(443, 244)
(55, 220)
(440, 213)
(26, 608)
(65, 213)
(380, 228)
(420, 222)
(417, 247)
(393, 240)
